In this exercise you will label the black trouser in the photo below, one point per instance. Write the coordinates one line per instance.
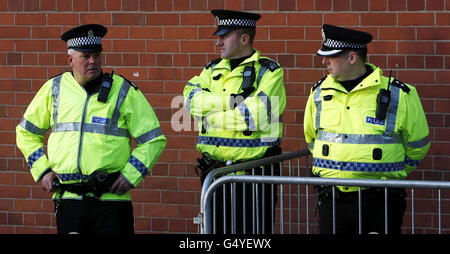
(256, 221)
(93, 216)
(372, 211)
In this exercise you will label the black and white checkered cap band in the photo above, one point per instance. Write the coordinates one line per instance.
(237, 22)
(343, 45)
(84, 41)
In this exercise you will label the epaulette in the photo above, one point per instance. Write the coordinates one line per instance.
(213, 62)
(318, 83)
(401, 85)
(129, 82)
(269, 63)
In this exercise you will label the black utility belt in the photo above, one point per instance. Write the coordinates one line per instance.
(98, 183)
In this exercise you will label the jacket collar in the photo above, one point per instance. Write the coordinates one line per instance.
(225, 63)
(374, 79)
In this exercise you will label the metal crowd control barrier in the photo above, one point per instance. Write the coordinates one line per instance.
(213, 183)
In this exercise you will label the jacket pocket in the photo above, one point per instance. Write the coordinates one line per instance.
(330, 116)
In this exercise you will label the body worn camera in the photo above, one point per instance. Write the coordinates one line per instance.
(105, 87)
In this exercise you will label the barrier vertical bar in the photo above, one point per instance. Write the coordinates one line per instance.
(233, 208)
(280, 164)
(281, 209)
(258, 221)
(386, 219)
(224, 201)
(290, 199)
(412, 212)
(272, 200)
(439, 211)
(215, 213)
(298, 199)
(253, 205)
(263, 203)
(244, 208)
(333, 193)
(359, 211)
(307, 207)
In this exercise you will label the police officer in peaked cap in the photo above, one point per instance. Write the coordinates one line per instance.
(239, 98)
(361, 124)
(89, 163)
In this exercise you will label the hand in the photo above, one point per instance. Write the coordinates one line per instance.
(120, 186)
(47, 180)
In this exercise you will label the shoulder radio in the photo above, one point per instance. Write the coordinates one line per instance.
(383, 100)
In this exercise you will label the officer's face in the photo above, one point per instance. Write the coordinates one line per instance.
(86, 66)
(340, 67)
(230, 44)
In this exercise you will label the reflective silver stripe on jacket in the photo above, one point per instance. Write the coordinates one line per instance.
(144, 138)
(318, 102)
(191, 94)
(419, 143)
(93, 128)
(116, 113)
(29, 126)
(311, 145)
(55, 94)
(392, 111)
(265, 99)
(249, 121)
(358, 138)
(261, 72)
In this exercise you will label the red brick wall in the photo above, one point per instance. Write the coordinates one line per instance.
(160, 44)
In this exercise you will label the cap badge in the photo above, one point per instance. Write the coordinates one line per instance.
(90, 33)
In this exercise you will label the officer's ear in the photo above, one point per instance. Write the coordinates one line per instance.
(70, 60)
(353, 57)
(70, 57)
(245, 38)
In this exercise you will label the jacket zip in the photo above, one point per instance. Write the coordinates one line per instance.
(80, 146)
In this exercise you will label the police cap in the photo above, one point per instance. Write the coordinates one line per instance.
(85, 38)
(336, 39)
(228, 20)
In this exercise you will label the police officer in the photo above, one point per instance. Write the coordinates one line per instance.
(238, 100)
(88, 161)
(361, 124)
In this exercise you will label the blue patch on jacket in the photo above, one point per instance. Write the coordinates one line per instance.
(101, 120)
(373, 120)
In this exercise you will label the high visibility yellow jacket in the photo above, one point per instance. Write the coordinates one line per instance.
(247, 131)
(88, 135)
(348, 141)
